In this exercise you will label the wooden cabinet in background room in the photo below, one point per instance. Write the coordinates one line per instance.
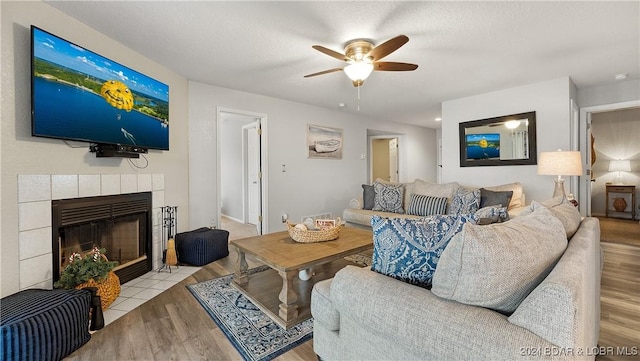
(618, 194)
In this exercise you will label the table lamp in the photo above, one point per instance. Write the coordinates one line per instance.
(560, 163)
(620, 166)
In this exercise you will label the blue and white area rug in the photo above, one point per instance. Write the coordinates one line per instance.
(251, 332)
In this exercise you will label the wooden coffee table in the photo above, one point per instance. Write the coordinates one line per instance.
(279, 292)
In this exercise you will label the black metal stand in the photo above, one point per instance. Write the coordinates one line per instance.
(169, 226)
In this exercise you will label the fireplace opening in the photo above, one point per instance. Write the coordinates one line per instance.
(120, 224)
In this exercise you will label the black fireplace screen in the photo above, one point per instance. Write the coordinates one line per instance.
(120, 224)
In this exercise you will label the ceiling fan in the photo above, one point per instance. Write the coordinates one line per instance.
(363, 58)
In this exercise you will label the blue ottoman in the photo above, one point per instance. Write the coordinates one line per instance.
(44, 324)
(202, 246)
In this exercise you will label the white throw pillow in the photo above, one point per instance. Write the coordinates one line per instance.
(447, 190)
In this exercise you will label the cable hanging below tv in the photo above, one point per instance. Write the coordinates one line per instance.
(104, 150)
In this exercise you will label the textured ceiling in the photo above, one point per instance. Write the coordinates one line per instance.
(462, 48)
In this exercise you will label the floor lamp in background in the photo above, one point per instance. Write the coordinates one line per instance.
(560, 163)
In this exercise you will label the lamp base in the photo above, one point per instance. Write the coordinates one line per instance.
(559, 190)
(619, 179)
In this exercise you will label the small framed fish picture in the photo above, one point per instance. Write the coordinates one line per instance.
(324, 142)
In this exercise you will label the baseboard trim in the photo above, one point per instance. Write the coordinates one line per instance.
(233, 218)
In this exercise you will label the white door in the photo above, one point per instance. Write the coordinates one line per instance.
(252, 201)
(590, 158)
(439, 173)
(393, 160)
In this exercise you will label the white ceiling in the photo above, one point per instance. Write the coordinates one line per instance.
(462, 48)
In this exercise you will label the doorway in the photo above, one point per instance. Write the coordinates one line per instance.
(241, 177)
(384, 158)
(587, 188)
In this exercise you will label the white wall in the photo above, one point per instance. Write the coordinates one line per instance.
(309, 186)
(23, 154)
(616, 92)
(551, 102)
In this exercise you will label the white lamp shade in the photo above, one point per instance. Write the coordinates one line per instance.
(560, 163)
(620, 166)
(358, 70)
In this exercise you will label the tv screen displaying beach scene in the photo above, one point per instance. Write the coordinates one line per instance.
(483, 146)
(80, 95)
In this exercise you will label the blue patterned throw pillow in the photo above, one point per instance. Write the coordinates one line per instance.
(409, 249)
(421, 205)
(388, 197)
(465, 202)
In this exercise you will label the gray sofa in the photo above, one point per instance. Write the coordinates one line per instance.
(357, 216)
(364, 315)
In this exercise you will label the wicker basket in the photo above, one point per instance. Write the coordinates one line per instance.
(307, 236)
(108, 289)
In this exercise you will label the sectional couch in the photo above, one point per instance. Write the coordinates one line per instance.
(527, 288)
(363, 207)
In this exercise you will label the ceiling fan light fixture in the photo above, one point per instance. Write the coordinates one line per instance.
(358, 71)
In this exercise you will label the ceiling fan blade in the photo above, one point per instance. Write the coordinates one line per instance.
(323, 72)
(393, 66)
(387, 47)
(330, 52)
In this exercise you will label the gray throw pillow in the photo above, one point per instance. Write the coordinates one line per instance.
(368, 196)
(388, 197)
(496, 266)
(491, 198)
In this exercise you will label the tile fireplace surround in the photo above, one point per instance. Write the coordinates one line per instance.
(35, 193)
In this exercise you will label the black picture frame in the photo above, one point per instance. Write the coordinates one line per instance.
(490, 125)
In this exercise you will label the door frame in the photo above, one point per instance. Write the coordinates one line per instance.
(585, 146)
(245, 169)
(264, 166)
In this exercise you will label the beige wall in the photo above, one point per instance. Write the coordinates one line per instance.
(380, 156)
(22, 154)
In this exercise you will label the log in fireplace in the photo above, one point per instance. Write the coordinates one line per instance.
(120, 223)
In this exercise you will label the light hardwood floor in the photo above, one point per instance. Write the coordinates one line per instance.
(620, 301)
(173, 325)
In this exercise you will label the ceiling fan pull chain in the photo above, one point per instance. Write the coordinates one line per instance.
(358, 98)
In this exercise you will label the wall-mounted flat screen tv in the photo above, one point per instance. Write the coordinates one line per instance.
(77, 94)
(483, 146)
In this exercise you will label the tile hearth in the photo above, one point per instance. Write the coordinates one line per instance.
(142, 289)
(35, 195)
